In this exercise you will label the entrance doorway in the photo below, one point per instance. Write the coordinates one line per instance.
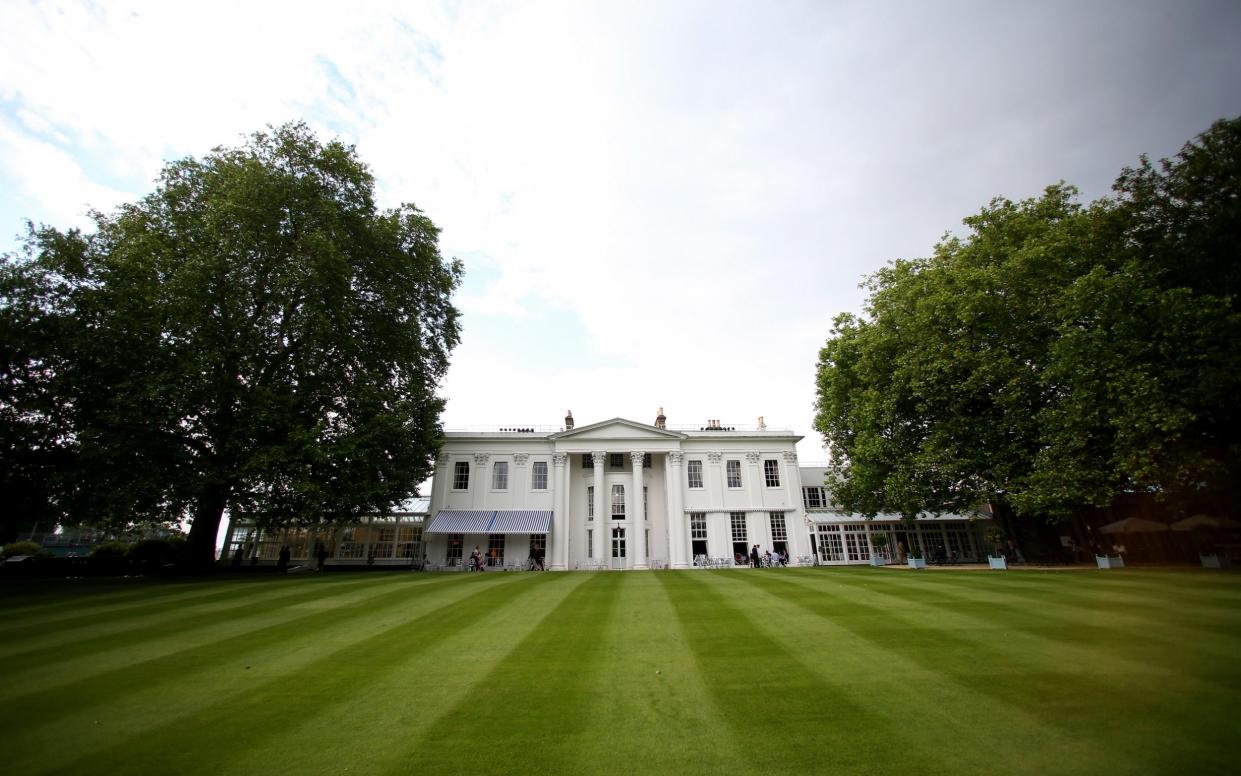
(618, 548)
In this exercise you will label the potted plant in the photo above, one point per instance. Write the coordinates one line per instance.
(996, 560)
(1116, 561)
(878, 542)
(914, 557)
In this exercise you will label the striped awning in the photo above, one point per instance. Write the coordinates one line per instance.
(475, 521)
(522, 522)
(482, 521)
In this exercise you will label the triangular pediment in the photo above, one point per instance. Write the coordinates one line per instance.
(616, 428)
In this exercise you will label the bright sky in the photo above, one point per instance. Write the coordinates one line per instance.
(657, 204)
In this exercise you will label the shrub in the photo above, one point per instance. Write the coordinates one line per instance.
(108, 550)
(24, 548)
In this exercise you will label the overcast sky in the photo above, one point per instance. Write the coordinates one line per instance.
(657, 204)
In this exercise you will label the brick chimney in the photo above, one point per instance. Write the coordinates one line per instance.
(660, 420)
(568, 420)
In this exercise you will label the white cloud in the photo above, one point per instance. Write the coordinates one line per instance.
(701, 185)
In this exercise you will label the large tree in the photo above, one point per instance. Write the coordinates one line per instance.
(1054, 356)
(254, 335)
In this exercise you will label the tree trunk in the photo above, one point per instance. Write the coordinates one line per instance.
(207, 515)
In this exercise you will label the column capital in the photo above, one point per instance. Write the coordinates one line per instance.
(675, 457)
(442, 458)
(560, 459)
(520, 458)
(751, 457)
(790, 456)
(481, 458)
(714, 456)
(599, 457)
(637, 458)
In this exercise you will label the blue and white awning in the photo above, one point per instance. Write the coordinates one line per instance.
(522, 522)
(473, 521)
(482, 521)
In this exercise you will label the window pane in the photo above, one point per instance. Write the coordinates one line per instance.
(539, 476)
(734, 474)
(771, 470)
(738, 526)
(499, 476)
(694, 471)
(461, 475)
(495, 549)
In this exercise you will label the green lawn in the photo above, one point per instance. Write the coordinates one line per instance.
(783, 671)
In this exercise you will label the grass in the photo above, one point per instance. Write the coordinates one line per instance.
(791, 671)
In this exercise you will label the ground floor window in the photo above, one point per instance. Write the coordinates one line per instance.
(884, 552)
(855, 542)
(495, 549)
(350, 547)
(538, 545)
(618, 543)
(409, 541)
(831, 548)
(590, 543)
(384, 542)
(960, 543)
(909, 543)
(779, 533)
(698, 533)
(933, 543)
(455, 543)
(741, 548)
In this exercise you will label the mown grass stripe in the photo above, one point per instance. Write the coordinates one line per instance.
(953, 644)
(187, 729)
(650, 684)
(780, 710)
(524, 715)
(122, 669)
(1145, 620)
(393, 707)
(1062, 687)
(110, 629)
(77, 602)
(1141, 638)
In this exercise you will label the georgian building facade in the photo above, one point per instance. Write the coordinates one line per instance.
(617, 494)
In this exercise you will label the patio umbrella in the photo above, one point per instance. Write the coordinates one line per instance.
(1204, 521)
(1134, 525)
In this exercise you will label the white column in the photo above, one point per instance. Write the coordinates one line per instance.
(677, 548)
(602, 520)
(558, 540)
(634, 506)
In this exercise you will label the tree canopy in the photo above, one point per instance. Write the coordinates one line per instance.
(1056, 355)
(254, 335)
